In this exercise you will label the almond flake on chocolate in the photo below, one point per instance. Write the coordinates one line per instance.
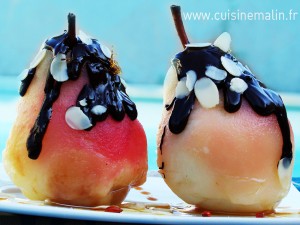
(76, 119)
(85, 38)
(215, 73)
(191, 78)
(238, 85)
(181, 90)
(99, 110)
(58, 68)
(38, 58)
(231, 66)
(106, 51)
(207, 92)
(198, 45)
(223, 42)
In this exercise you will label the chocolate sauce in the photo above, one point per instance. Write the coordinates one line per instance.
(181, 112)
(262, 100)
(162, 166)
(169, 106)
(162, 139)
(37, 132)
(104, 88)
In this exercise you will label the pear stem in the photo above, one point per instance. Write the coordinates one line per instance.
(176, 13)
(72, 29)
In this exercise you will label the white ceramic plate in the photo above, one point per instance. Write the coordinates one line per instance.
(149, 204)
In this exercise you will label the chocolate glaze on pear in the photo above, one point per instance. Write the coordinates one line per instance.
(76, 120)
(202, 60)
(104, 95)
(224, 141)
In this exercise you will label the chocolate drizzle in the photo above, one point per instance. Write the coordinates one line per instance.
(37, 132)
(262, 100)
(181, 112)
(104, 89)
(162, 139)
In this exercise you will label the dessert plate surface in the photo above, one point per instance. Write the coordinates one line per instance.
(152, 203)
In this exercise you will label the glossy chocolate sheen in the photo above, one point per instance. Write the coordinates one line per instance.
(104, 88)
(262, 100)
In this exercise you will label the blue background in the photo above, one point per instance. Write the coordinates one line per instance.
(144, 38)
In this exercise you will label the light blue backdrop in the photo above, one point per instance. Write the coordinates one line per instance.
(144, 38)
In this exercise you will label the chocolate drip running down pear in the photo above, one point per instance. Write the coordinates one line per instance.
(202, 59)
(104, 95)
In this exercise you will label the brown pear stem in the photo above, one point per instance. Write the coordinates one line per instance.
(72, 29)
(176, 13)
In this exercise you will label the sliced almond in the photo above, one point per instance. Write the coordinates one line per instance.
(231, 66)
(170, 84)
(238, 85)
(198, 45)
(191, 78)
(83, 102)
(181, 90)
(58, 68)
(85, 38)
(76, 119)
(106, 51)
(38, 58)
(23, 74)
(223, 42)
(207, 92)
(215, 73)
(99, 110)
